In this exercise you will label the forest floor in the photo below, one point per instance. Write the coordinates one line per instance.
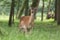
(46, 30)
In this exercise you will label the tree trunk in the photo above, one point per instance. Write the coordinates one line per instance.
(20, 12)
(49, 7)
(55, 10)
(11, 18)
(26, 8)
(18, 6)
(42, 11)
(58, 12)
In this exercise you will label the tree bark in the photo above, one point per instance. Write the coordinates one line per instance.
(58, 12)
(49, 7)
(11, 17)
(27, 8)
(42, 11)
(18, 6)
(20, 12)
(55, 10)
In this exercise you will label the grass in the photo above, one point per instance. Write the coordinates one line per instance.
(46, 30)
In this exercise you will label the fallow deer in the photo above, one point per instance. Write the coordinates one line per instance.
(27, 22)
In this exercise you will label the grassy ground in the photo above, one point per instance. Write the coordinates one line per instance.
(46, 30)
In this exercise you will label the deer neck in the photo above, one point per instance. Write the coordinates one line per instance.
(31, 17)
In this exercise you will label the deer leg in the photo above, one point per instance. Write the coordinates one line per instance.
(19, 28)
(24, 29)
(32, 25)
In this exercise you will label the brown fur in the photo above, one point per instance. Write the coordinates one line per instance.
(24, 21)
(27, 22)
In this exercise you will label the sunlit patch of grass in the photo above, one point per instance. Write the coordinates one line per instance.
(44, 20)
(3, 17)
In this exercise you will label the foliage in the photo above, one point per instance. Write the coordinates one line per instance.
(5, 6)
